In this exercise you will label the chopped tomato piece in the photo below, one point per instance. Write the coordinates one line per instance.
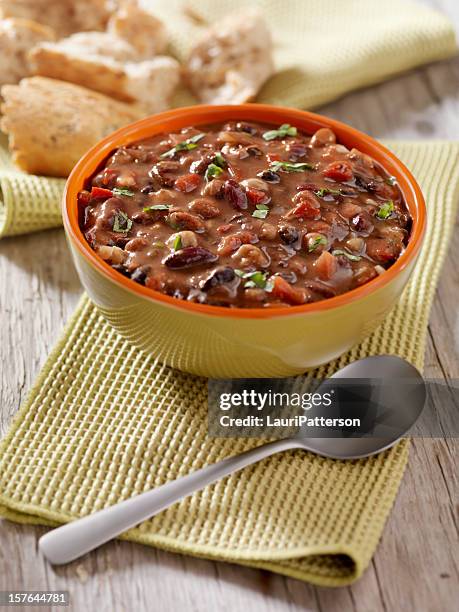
(326, 265)
(187, 182)
(307, 206)
(108, 176)
(382, 250)
(257, 196)
(231, 243)
(339, 171)
(101, 193)
(349, 210)
(273, 157)
(83, 198)
(284, 291)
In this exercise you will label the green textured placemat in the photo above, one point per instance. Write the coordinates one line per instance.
(104, 422)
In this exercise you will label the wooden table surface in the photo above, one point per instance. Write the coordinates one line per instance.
(415, 568)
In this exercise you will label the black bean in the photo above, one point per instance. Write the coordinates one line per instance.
(269, 176)
(247, 128)
(254, 151)
(189, 257)
(219, 276)
(139, 275)
(288, 234)
(150, 188)
(121, 269)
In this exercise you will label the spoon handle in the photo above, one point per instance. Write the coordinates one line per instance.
(79, 537)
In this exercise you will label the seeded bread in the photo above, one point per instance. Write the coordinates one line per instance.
(106, 63)
(67, 120)
(63, 16)
(232, 60)
(17, 37)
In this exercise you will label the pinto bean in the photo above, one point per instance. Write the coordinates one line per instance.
(205, 208)
(250, 255)
(187, 239)
(242, 138)
(213, 188)
(136, 244)
(113, 254)
(255, 183)
(230, 243)
(184, 220)
(323, 137)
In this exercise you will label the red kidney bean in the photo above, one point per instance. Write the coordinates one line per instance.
(235, 194)
(189, 257)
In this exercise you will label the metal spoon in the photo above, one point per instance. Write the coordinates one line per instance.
(74, 539)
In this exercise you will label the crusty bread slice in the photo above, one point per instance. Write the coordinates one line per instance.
(17, 37)
(140, 28)
(106, 63)
(64, 16)
(51, 124)
(232, 60)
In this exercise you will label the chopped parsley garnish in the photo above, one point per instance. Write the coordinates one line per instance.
(122, 191)
(349, 256)
(177, 243)
(187, 145)
(212, 172)
(157, 207)
(121, 222)
(385, 210)
(219, 160)
(321, 193)
(255, 279)
(391, 181)
(316, 242)
(284, 130)
(158, 244)
(290, 167)
(261, 211)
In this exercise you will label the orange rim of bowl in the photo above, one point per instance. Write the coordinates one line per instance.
(305, 121)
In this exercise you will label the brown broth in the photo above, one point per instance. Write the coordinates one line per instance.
(181, 221)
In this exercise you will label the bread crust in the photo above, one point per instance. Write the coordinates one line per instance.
(63, 16)
(232, 60)
(67, 120)
(17, 37)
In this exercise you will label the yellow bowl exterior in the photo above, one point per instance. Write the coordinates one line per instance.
(226, 347)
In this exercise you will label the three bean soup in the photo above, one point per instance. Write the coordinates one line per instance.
(245, 215)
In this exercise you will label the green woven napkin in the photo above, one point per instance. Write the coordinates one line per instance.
(104, 422)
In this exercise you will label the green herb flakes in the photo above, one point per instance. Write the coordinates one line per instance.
(290, 167)
(255, 279)
(284, 130)
(121, 222)
(261, 211)
(157, 207)
(177, 243)
(187, 145)
(385, 210)
(349, 256)
(321, 193)
(318, 240)
(213, 171)
(121, 191)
